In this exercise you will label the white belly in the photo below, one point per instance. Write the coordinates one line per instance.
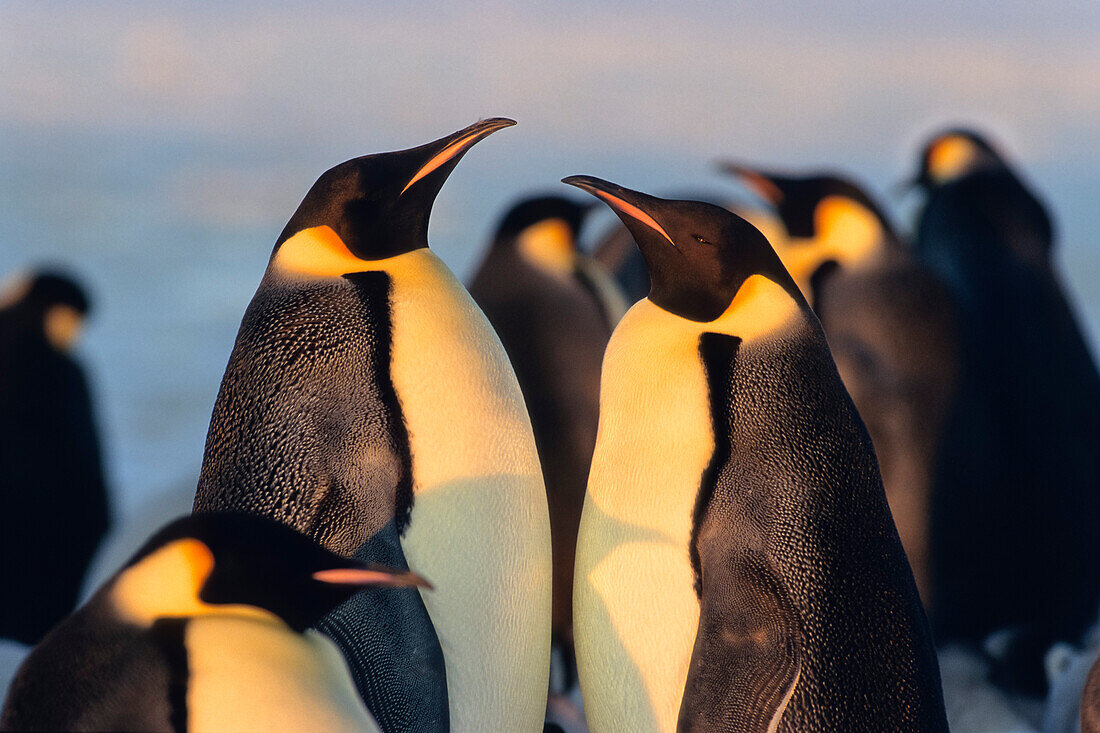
(249, 674)
(479, 529)
(635, 611)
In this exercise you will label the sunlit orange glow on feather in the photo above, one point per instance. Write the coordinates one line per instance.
(949, 157)
(317, 252)
(166, 584)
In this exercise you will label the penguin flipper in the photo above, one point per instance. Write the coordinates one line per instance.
(746, 660)
(391, 647)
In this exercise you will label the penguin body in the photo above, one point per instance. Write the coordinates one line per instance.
(1019, 479)
(53, 497)
(369, 403)
(204, 629)
(554, 311)
(737, 567)
(891, 325)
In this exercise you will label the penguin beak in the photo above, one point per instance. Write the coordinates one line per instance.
(629, 205)
(366, 574)
(759, 183)
(452, 147)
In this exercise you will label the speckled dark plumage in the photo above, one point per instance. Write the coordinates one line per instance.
(124, 685)
(307, 387)
(796, 537)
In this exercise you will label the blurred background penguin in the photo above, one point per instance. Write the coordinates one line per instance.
(53, 499)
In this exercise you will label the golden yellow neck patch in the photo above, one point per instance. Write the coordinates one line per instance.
(166, 584)
(62, 325)
(549, 245)
(847, 233)
(760, 308)
(316, 252)
(950, 157)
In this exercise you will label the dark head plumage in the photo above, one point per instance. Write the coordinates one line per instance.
(697, 254)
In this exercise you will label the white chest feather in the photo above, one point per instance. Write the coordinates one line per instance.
(479, 529)
(635, 608)
(248, 674)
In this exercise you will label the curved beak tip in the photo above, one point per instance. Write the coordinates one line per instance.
(586, 183)
(496, 123)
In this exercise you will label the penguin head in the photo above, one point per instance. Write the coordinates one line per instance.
(223, 563)
(830, 221)
(952, 154)
(543, 230)
(698, 255)
(376, 206)
(50, 301)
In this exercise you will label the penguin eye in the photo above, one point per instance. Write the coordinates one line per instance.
(700, 240)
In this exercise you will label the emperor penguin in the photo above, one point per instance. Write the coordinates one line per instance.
(204, 629)
(737, 567)
(891, 325)
(1020, 477)
(554, 310)
(53, 494)
(369, 404)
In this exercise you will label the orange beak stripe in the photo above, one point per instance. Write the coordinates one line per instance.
(443, 156)
(363, 576)
(635, 212)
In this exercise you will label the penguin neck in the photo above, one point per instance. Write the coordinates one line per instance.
(167, 583)
(951, 158)
(803, 256)
(855, 244)
(549, 246)
(762, 308)
(319, 252)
